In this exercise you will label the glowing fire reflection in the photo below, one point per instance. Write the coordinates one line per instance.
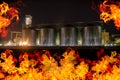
(22, 43)
(7, 15)
(42, 66)
(110, 10)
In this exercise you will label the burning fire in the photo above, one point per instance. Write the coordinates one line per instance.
(110, 10)
(42, 66)
(7, 15)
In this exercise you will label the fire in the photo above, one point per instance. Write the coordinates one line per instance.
(110, 10)
(7, 15)
(41, 65)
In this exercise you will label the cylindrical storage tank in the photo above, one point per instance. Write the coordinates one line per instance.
(92, 35)
(68, 36)
(46, 36)
(79, 26)
(29, 37)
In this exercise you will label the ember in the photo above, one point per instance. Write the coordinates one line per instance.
(42, 66)
(7, 15)
(110, 10)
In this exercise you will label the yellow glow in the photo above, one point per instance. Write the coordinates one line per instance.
(110, 11)
(7, 14)
(44, 67)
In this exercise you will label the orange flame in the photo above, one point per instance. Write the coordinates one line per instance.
(7, 15)
(110, 10)
(42, 66)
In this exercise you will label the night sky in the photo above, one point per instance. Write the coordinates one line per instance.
(56, 11)
(61, 11)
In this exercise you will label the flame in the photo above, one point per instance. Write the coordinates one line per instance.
(41, 65)
(110, 10)
(7, 15)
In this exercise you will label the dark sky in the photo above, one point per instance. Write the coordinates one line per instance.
(66, 11)
(60, 11)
